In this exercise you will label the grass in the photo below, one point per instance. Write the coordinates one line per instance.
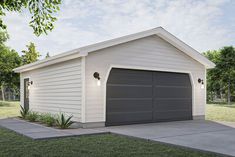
(220, 112)
(12, 144)
(9, 109)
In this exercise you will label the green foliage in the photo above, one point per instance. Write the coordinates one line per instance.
(226, 63)
(31, 55)
(32, 116)
(41, 11)
(63, 122)
(213, 78)
(23, 112)
(9, 59)
(221, 79)
(3, 37)
(47, 119)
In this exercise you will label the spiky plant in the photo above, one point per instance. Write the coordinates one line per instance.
(23, 112)
(63, 122)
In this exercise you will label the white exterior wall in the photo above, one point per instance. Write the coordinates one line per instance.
(150, 53)
(56, 88)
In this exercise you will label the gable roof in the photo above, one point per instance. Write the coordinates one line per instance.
(84, 51)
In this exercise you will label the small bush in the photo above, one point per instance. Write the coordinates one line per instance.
(23, 112)
(63, 122)
(32, 116)
(47, 119)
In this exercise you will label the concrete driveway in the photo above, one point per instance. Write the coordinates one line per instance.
(196, 134)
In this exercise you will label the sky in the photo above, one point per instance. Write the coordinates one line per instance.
(202, 24)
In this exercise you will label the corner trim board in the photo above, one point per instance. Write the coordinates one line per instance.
(83, 107)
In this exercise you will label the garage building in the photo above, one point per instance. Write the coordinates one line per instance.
(150, 76)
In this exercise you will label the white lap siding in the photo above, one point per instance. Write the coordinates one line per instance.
(151, 53)
(56, 88)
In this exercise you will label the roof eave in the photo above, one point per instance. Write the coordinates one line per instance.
(210, 66)
(49, 61)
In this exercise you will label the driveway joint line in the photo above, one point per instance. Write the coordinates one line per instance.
(192, 134)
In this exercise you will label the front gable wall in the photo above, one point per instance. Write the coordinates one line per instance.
(149, 53)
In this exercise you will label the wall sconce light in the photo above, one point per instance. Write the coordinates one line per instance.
(97, 76)
(29, 84)
(202, 83)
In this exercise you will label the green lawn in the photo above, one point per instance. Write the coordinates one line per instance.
(220, 112)
(9, 109)
(13, 145)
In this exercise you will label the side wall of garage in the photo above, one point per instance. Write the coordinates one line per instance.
(56, 88)
(149, 53)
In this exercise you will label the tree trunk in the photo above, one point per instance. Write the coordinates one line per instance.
(221, 92)
(3, 92)
(229, 92)
(14, 94)
(212, 96)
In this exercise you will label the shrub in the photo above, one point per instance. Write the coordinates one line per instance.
(63, 122)
(32, 116)
(47, 119)
(23, 112)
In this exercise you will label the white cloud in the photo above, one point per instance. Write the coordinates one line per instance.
(84, 22)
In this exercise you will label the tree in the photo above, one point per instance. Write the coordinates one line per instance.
(3, 37)
(41, 11)
(47, 55)
(9, 59)
(221, 79)
(214, 85)
(31, 55)
(226, 66)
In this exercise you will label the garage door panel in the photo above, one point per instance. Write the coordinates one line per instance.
(130, 77)
(133, 105)
(172, 79)
(124, 91)
(172, 104)
(128, 118)
(172, 92)
(172, 115)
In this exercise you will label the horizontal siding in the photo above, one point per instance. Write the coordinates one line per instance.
(69, 72)
(56, 88)
(150, 52)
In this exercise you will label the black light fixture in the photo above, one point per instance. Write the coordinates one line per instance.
(29, 84)
(201, 81)
(97, 76)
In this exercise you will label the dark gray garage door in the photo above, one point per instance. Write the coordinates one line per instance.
(136, 96)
